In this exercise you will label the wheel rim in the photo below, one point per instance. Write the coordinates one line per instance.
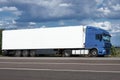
(66, 54)
(93, 53)
(18, 54)
(25, 53)
(32, 53)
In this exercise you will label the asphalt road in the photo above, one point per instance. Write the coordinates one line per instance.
(59, 68)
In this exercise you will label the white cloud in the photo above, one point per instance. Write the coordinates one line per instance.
(44, 3)
(105, 10)
(7, 25)
(8, 9)
(46, 9)
(115, 31)
(63, 9)
(65, 5)
(104, 25)
(52, 9)
(3, 0)
(116, 7)
(115, 28)
(12, 9)
(32, 23)
(43, 26)
(1, 24)
(57, 8)
(112, 26)
(99, 2)
(61, 23)
(13, 21)
(17, 13)
(61, 12)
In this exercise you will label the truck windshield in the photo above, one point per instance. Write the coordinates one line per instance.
(106, 38)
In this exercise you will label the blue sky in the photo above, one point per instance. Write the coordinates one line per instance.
(15, 14)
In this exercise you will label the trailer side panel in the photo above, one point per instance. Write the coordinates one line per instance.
(44, 38)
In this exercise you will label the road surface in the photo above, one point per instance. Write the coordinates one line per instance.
(59, 68)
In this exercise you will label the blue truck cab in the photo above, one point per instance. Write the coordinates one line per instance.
(97, 41)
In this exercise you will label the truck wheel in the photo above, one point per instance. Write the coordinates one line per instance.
(66, 54)
(5, 53)
(32, 53)
(17, 53)
(25, 53)
(93, 53)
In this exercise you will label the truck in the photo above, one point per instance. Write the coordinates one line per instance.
(62, 41)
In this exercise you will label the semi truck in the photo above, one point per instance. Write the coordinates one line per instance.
(62, 41)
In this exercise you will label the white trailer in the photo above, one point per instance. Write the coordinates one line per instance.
(44, 38)
(64, 41)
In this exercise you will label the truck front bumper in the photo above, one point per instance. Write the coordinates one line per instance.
(104, 51)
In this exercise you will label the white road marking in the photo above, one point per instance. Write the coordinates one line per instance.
(59, 70)
(59, 63)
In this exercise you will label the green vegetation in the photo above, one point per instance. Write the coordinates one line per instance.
(115, 51)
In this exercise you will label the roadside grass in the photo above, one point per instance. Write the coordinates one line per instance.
(0, 53)
(115, 51)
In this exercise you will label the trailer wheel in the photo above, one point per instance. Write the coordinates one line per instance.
(66, 53)
(5, 53)
(93, 53)
(32, 53)
(17, 53)
(25, 53)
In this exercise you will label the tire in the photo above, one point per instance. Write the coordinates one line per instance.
(17, 53)
(101, 55)
(32, 53)
(25, 53)
(93, 53)
(12, 53)
(66, 54)
(5, 53)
